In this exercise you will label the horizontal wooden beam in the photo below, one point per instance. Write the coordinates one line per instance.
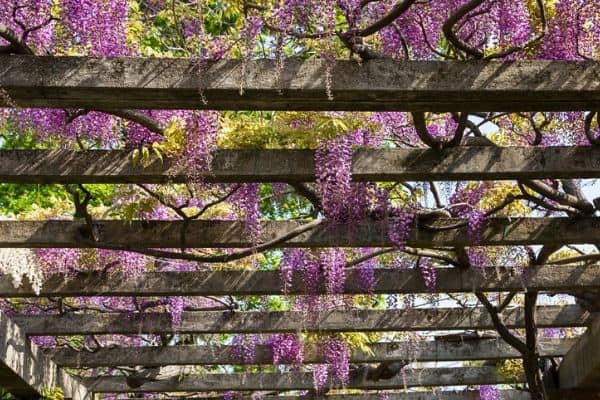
(433, 394)
(25, 370)
(436, 350)
(460, 163)
(580, 368)
(375, 85)
(233, 234)
(292, 321)
(298, 381)
(549, 278)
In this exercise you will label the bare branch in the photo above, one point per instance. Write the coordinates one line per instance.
(448, 29)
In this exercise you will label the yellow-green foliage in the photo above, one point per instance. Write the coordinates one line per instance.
(269, 130)
(52, 393)
(510, 369)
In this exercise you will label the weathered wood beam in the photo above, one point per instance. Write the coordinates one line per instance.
(299, 381)
(460, 163)
(580, 368)
(436, 350)
(232, 234)
(429, 395)
(550, 278)
(375, 85)
(25, 370)
(291, 321)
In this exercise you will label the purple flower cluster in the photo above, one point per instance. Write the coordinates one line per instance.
(334, 270)
(399, 227)
(365, 273)
(320, 377)
(489, 392)
(244, 348)
(428, 273)
(97, 28)
(249, 198)
(286, 348)
(333, 160)
(337, 358)
(176, 308)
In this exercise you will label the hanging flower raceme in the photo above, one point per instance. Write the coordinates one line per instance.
(176, 308)
(293, 260)
(249, 198)
(337, 357)
(333, 160)
(467, 199)
(286, 348)
(365, 273)
(428, 273)
(19, 263)
(399, 226)
(336, 369)
(320, 377)
(244, 348)
(334, 270)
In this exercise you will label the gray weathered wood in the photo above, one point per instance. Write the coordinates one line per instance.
(550, 278)
(299, 381)
(580, 368)
(25, 370)
(232, 234)
(436, 350)
(383, 85)
(428, 395)
(460, 163)
(291, 321)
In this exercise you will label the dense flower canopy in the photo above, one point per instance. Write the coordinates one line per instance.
(207, 30)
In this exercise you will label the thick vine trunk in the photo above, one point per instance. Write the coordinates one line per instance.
(534, 378)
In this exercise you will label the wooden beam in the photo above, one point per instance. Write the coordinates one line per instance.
(299, 381)
(434, 394)
(547, 278)
(25, 370)
(375, 85)
(436, 350)
(460, 163)
(292, 321)
(232, 234)
(580, 368)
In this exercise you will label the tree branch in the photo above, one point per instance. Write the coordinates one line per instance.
(452, 37)
(222, 258)
(17, 45)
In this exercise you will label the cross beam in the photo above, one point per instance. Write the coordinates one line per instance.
(25, 370)
(547, 278)
(375, 85)
(299, 381)
(462, 349)
(427, 232)
(293, 321)
(459, 163)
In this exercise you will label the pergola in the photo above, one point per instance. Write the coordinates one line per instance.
(377, 85)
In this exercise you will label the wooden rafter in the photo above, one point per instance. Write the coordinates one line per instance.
(550, 278)
(437, 350)
(24, 368)
(300, 381)
(293, 321)
(460, 163)
(427, 232)
(383, 85)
